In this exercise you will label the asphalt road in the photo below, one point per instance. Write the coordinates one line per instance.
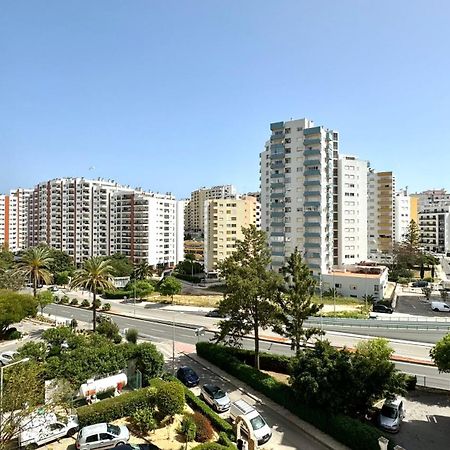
(160, 332)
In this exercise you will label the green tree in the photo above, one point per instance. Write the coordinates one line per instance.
(412, 236)
(120, 264)
(440, 354)
(93, 276)
(427, 292)
(44, 298)
(143, 421)
(170, 398)
(109, 329)
(36, 350)
(14, 308)
(6, 259)
(149, 361)
(34, 264)
(295, 302)
(141, 288)
(142, 271)
(169, 287)
(61, 262)
(344, 382)
(251, 289)
(189, 267)
(188, 428)
(132, 335)
(61, 278)
(11, 280)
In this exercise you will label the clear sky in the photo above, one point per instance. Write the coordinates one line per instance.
(174, 95)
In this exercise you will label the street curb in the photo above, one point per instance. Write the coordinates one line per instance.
(313, 433)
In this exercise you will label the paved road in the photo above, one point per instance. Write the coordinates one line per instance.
(160, 332)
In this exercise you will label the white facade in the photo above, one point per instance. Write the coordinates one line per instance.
(352, 210)
(434, 223)
(88, 218)
(14, 219)
(358, 281)
(299, 193)
(402, 215)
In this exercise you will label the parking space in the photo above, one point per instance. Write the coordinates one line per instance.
(418, 305)
(427, 422)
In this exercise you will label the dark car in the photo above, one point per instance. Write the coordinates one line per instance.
(187, 376)
(420, 283)
(137, 447)
(215, 313)
(378, 307)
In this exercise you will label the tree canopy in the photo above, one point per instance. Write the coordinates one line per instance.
(142, 288)
(251, 289)
(14, 308)
(120, 264)
(169, 287)
(440, 354)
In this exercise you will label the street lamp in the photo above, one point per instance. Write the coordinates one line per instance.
(1, 387)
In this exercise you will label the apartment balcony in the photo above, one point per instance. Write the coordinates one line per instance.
(311, 131)
(277, 126)
(276, 137)
(312, 162)
(312, 172)
(314, 141)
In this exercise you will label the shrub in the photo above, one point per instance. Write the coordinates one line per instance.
(189, 278)
(403, 281)
(74, 302)
(188, 428)
(143, 421)
(114, 408)
(131, 335)
(106, 307)
(73, 323)
(97, 303)
(170, 398)
(117, 294)
(411, 382)
(204, 430)
(349, 431)
(64, 300)
(149, 361)
(85, 303)
(14, 335)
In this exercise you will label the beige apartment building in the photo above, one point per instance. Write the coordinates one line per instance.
(194, 218)
(223, 223)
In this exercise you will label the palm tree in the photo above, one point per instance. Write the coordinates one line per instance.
(142, 271)
(34, 264)
(94, 275)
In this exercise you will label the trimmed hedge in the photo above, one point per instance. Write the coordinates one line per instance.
(114, 408)
(117, 294)
(223, 443)
(351, 432)
(267, 361)
(189, 278)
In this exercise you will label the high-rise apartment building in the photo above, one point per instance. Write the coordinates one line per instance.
(299, 193)
(381, 215)
(100, 217)
(402, 213)
(352, 210)
(414, 208)
(434, 223)
(223, 223)
(14, 219)
(195, 209)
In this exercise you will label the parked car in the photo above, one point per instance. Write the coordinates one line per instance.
(102, 435)
(215, 397)
(261, 430)
(215, 313)
(40, 429)
(7, 357)
(440, 307)
(391, 415)
(188, 376)
(137, 447)
(380, 308)
(420, 283)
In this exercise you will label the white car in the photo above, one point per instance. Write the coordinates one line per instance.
(40, 429)
(102, 435)
(7, 357)
(440, 307)
(391, 415)
(215, 397)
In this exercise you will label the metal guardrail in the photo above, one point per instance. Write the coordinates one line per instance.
(375, 323)
(432, 382)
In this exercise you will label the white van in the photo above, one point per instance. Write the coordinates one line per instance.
(440, 307)
(261, 430)
(39, 429)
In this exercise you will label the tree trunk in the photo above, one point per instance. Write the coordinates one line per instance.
(256, 346)
(94, 310)
(422, 271)
(34, 286)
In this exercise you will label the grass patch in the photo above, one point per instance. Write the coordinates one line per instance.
(210, 301)
(350, 301)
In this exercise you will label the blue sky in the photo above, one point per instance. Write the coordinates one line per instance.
(174, 95)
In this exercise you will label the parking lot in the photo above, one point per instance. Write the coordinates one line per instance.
(418, 305)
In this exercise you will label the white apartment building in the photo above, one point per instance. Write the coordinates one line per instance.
(402, 215)
(299, 193)
(101, 217)
(381, 215)
(434, 223)
(352, 210)
(145, 227)
(195, 209)
(14, 219)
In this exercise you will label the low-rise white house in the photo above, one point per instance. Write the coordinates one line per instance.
(357, 281)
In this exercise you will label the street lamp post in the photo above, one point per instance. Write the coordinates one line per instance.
(1, 387)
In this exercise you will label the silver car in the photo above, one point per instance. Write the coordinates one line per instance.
(391, 415)
(215, 397)
(102, 435)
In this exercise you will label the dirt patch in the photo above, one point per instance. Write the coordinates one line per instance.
(210, 301)
(281, 377)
